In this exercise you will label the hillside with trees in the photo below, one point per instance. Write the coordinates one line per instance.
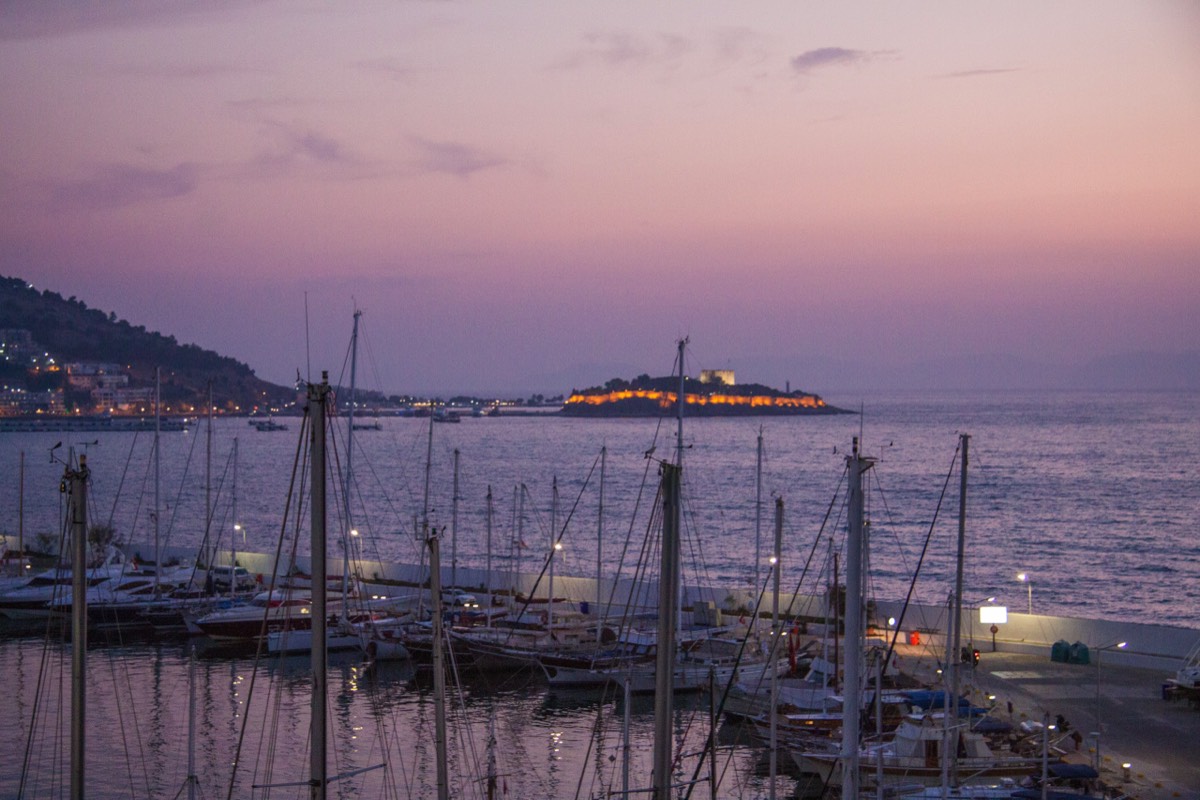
(66, 330)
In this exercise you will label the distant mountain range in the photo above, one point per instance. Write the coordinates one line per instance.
(68, 331)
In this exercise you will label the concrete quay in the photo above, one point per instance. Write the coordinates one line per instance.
(1159, 739)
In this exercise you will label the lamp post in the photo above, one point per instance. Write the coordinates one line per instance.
(1099, 650)
(978, 610)
(1027, 579)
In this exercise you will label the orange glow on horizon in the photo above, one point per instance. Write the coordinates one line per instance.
(667, 399)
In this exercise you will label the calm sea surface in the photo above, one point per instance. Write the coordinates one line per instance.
(1096, 496)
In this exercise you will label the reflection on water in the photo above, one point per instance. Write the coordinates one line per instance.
(548, 743)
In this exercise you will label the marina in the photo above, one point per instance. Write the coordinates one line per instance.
(577, 724)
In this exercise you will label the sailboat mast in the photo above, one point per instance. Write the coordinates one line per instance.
(600, 528)
(491, 749)
(439, 668)
(192, 779)
(346, 491)
(678, 615)
(776, 638)
(953, 663)
(428, 470)
(520, 528)
(490, 511)
(454, 525)
(626, 746)
(21, 513)
(679, 408)
(758, 512)
(237, 526)
(317, 395)
(76, 482)
(855, 623)
(553, 552)
(208, 509)
(157, 462)
(668, 595)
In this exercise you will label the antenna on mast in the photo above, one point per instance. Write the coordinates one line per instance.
(307, 344)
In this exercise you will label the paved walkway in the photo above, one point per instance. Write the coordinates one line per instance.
(1159, 739)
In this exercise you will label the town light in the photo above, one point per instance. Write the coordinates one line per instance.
(1099, 650)
(1027, 579)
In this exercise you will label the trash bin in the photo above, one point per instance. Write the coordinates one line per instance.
(1060, 651)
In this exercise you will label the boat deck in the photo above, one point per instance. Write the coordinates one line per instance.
(1157, 737)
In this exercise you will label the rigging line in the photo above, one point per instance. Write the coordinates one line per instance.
(639, 585)
(296, 464)
(462, 731)
(775, 643)
(137, 509)
(121, 726)
(40, 685)
(121, 484)
(887, 511)
(179, 495)
(632, 520)
(924, 549)
(597, 727)
(557, 538)
(211, 514)
(387, 500)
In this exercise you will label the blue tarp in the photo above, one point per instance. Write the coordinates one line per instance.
(935, 700)
(1036, 794)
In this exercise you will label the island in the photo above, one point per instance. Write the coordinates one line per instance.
(714, 394)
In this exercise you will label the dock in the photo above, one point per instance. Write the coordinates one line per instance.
(1158, 738)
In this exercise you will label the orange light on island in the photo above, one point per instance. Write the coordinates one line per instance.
(667, 399)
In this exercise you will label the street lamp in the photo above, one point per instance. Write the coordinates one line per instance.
(1027, 579)
(1099, 650)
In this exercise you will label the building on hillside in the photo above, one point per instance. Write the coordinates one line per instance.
(96, 376)
(721, 376)
(18, 347)
(18, 402)
(114, 399)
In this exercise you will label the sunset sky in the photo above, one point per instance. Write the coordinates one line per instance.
(538, 194)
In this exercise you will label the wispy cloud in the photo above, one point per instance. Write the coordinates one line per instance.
(826, 57)
(290, 148)
(388, 68)
(454, 158)
(22, 19)
(739, 44)
(621, 48)
(119, 185)
(978, 73)
(319, 148)
(187, 71)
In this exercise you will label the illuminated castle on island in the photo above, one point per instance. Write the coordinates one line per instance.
(715, 394)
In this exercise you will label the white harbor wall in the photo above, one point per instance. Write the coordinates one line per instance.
(1150, 646)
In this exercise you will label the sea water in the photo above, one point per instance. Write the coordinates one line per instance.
(1093, 495)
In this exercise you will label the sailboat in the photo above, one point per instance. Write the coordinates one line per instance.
(706, 655)
(929, 748)
(319, 778)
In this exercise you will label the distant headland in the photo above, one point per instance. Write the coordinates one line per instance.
(714, 394)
